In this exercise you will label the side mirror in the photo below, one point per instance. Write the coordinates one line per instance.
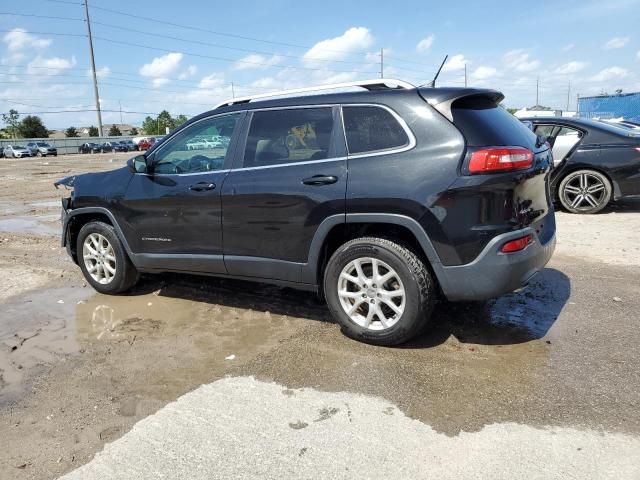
(137, 164)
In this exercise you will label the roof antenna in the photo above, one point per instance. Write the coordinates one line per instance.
(432, 84)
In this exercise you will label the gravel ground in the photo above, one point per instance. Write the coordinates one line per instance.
(554, 366)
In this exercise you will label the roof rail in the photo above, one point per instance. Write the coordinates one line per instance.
(376, 84)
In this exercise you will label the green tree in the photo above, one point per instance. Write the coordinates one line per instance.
(512, 110)
(93, 131)
(71, 132)
(150, 126)
(12, 120)
(31, 126)
(114, 131)
(179, 120)
(165, 120)
(134, 131)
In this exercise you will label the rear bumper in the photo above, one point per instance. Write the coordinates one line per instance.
(495, 273)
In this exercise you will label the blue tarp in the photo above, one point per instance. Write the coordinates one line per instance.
(625, 105)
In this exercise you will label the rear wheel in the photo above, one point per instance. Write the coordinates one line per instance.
(379, 291)
(103, 260)
(585, 191)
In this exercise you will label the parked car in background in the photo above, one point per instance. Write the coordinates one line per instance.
(129, 145)
(16, 151)
(42, 149)
(146, 143)
(596, 162)
(114, 146)
(89, 147)
(393, 197)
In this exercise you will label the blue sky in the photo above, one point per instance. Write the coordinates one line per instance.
(261, 46)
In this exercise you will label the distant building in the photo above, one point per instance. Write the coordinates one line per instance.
(620, 105)
(125, 129)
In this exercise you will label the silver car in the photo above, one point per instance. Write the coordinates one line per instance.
(42, 149)
(16, 151)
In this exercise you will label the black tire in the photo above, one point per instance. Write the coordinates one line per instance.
(39, 154)
(126, 274)
(419, 287)
(584, 191)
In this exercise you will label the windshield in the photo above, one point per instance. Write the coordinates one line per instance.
(42, 144)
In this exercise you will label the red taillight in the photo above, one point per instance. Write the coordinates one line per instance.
(517, 244)
(500, 159)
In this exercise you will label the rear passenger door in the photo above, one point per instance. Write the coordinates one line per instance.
(289, 176)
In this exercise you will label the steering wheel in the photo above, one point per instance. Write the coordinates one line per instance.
(199, 163)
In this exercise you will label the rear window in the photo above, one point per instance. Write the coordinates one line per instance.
(483, 123)
(372, 129)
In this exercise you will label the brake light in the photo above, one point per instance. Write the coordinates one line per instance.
(517, 244)
(500, 159)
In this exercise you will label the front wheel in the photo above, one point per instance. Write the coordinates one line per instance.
(379, 292)
(585, 191)
(103, 260)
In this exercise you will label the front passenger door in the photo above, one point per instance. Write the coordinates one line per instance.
(173, 212)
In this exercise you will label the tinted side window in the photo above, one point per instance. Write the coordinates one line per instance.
(369, 129)
(201, 147)
(288, 136)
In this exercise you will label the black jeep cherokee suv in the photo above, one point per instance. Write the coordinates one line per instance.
(383, 200)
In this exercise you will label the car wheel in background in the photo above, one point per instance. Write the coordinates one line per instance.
(585, 191)
(38, 154)
(103, 260)
(380, 292)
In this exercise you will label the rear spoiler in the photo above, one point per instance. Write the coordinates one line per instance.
(443, 98)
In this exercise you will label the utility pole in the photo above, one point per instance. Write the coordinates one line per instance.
(537, 90)
(93, 68)
(120, 103)
(578, 102)
(568, 94)
(233, 91)
(465, 75)
(382, 63)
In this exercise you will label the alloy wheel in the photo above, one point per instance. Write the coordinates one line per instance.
(584, 192)
(99, 258)
(371, 293)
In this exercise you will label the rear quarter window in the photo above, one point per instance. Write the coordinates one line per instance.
(483, 123)
(372, 129)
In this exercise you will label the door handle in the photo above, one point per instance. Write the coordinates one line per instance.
(202, 186)
(320, 180)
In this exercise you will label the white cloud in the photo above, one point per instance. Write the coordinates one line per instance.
(214, 80)
(638, 54)
(616, 42)
(425, 44)
(189, 72)
(570, 67)
(19, 39)
(568, 47)
(520, 61)
(609, 74)
(257, 61)
(353, 40)
(162, 66)
(483, 72)
(103, 72)
(50, 66)
(457, 62)
(159, 82)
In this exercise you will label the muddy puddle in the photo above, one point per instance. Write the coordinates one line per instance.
(43, 327)
(35, 224)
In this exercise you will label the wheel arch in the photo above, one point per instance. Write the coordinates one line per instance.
(338, 229)
(76, 219)
(569, 169)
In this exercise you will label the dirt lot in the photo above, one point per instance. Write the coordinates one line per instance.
(78, 369)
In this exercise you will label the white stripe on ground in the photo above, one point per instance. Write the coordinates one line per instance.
(244, 428)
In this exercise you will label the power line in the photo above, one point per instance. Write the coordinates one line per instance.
(48, 17)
